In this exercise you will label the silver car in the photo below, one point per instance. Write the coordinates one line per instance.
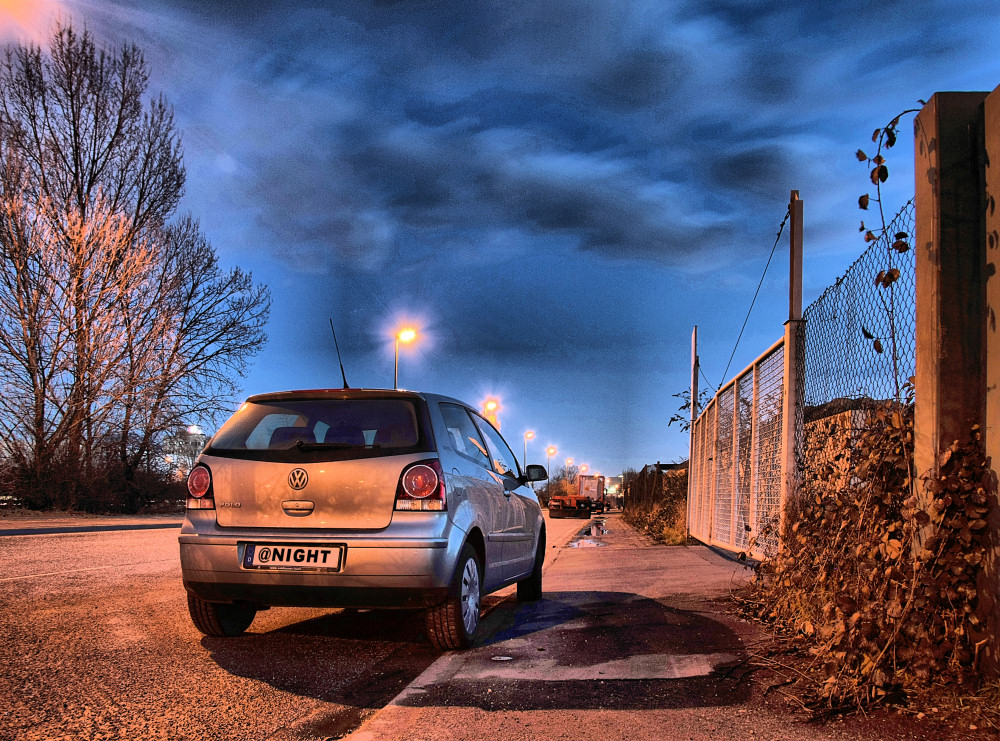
(358, 498)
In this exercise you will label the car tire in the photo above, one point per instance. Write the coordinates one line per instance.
(224, 620)
(453, 624)
(530, 589)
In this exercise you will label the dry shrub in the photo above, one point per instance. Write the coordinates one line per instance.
(876, 583)
(656, 504)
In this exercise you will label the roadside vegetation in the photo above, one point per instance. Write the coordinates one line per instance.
(655, 502)
(874, 589)
(874, 594)
(120, 332)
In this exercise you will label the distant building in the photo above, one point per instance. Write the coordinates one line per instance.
(181, 450)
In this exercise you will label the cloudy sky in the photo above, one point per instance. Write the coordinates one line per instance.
(554, 192)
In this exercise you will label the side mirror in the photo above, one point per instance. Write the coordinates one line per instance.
(534, 472)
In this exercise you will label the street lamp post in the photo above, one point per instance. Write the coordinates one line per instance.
(403, 335)
(549, 452)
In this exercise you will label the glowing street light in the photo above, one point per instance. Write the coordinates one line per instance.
(549, 452)
(529, 435)
(491, 410)
(405, 335)
(584, 468)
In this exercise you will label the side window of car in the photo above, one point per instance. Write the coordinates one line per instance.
(464, 436)
(504, 461)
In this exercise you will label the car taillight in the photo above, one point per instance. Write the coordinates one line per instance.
(421, 487)
(199, 484)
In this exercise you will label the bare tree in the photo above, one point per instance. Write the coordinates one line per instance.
(117, 325)
(198, 327)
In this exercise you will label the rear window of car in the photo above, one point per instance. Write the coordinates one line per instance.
(323, 429)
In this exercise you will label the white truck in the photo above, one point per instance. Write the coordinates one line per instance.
(592, 487)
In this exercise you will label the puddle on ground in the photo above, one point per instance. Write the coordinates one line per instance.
(585, 543)
(594, 530)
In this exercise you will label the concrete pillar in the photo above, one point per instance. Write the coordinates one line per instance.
(791, 419)
(989, 583)
(950, 379)
(951, 316)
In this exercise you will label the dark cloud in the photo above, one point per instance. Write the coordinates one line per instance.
(640, 78)
(760, 170)
(563, 187)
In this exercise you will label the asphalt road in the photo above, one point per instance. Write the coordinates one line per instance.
(632, 640)
(96, 643)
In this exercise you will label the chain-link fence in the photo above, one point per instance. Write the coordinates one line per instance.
(858, 352)
(735, 461)
(861, 334)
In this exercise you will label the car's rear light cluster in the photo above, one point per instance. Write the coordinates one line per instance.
(199, 484)
(421, 487)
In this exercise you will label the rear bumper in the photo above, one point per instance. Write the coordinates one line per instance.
(402, 567)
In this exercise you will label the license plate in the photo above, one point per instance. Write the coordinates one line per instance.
(293, 556)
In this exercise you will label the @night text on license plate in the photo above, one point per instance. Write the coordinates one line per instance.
(293, 556)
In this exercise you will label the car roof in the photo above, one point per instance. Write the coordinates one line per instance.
(351, 393)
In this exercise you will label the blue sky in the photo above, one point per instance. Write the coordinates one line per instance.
(553, 192)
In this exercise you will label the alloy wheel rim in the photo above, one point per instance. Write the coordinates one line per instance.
(470, 596)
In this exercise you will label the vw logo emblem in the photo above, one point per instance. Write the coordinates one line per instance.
(298, 479)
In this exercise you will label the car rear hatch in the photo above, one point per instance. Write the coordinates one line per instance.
(329, 460)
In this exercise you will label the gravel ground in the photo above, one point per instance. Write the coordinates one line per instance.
(96, 643)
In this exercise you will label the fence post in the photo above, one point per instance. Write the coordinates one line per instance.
(989, 583)
(989, 586)
(735, 476)
(753, 517)
(950, 394)
(950, 389)
(692, 447)
(715, 468)
(791, 413)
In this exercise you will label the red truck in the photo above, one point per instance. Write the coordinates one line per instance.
(569, 505)
(587, 499)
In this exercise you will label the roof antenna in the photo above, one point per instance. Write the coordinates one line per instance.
(342, 374)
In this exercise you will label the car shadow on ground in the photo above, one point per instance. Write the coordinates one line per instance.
(362, 659)
(358, 658)
(590, 650)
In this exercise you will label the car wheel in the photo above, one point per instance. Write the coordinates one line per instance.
(215, 619)
(530, 589)
(453, 624)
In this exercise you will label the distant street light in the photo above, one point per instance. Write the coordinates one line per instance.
(404, 335)
(584, 468)
(549, 452)
(529, 435)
